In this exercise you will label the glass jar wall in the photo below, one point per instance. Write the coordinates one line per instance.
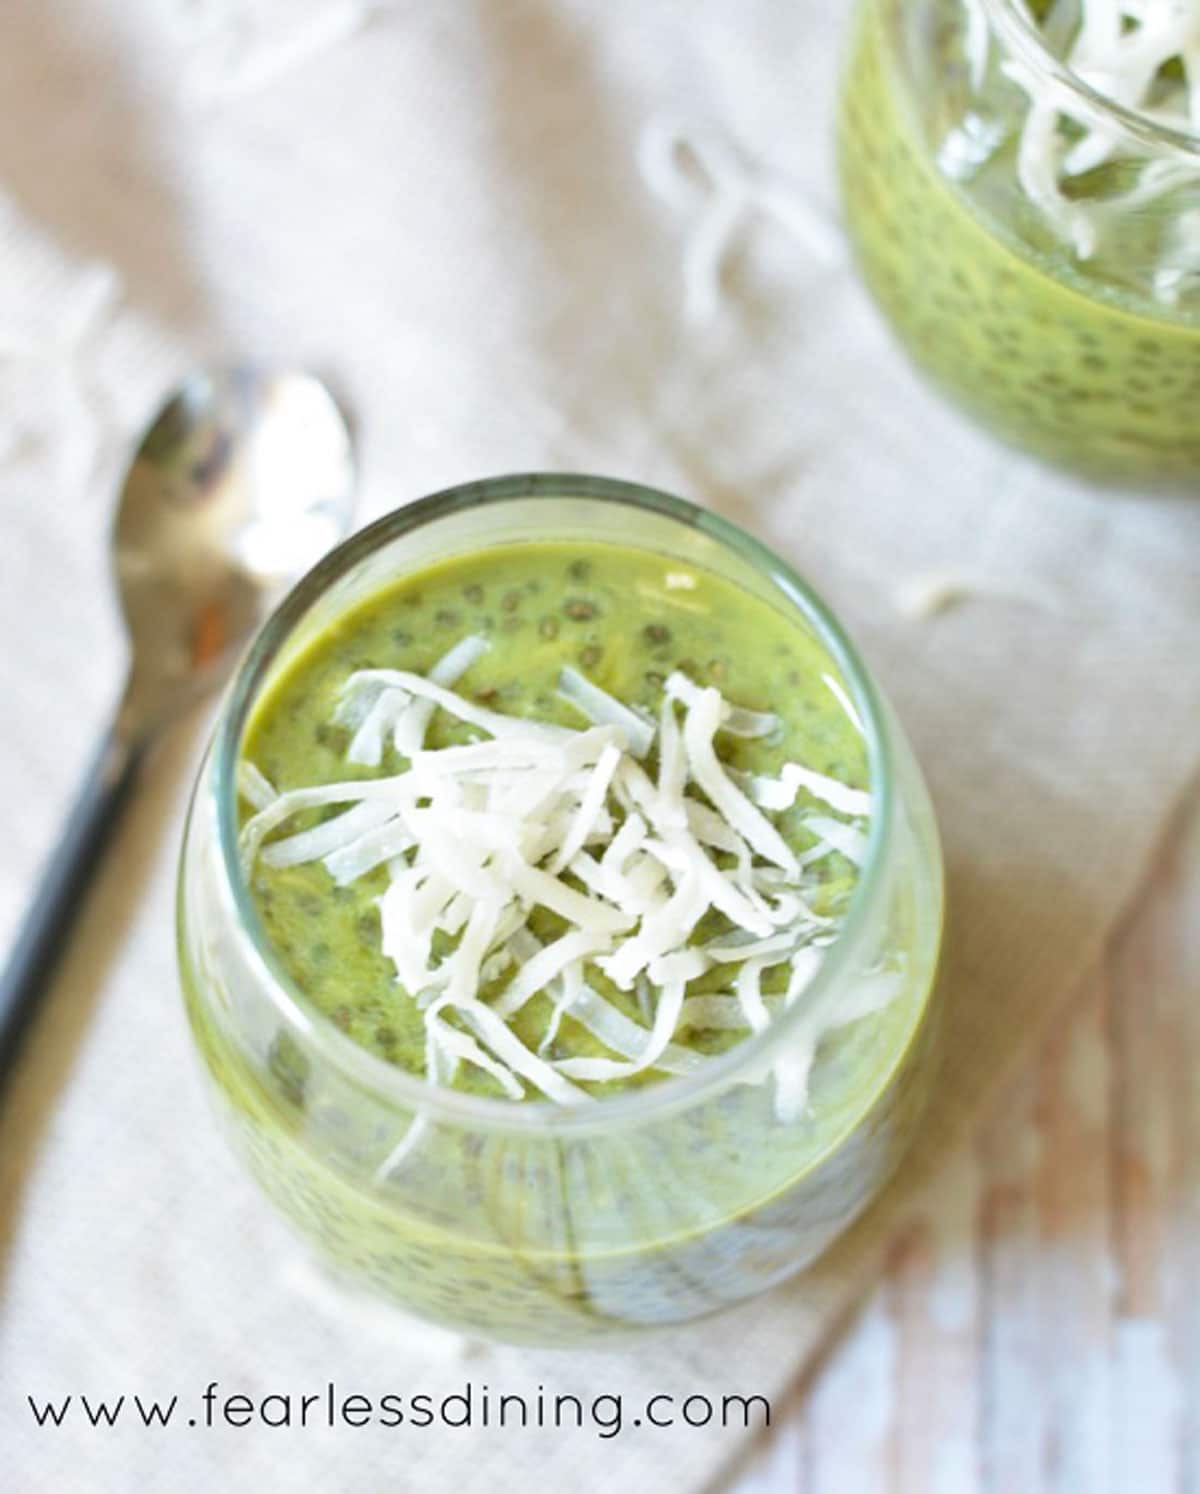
(521, 1221)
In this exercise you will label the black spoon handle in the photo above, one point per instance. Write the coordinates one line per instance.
(42, 936)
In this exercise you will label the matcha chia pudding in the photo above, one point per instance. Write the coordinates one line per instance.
(1022, 188)
(559, 912)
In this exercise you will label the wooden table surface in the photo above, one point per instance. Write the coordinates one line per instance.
(1039, 1333)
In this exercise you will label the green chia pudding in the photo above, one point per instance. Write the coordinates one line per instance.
(1069, 324)
(463, 885)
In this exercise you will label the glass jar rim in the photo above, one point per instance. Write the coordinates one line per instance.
(666, 1096)
(1014, 24)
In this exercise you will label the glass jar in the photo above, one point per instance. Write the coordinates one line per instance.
(525, 1222)
(1035, 245)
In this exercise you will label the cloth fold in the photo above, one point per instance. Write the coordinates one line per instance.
(443, 207)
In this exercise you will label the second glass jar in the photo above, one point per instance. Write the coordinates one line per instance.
(1070, 324)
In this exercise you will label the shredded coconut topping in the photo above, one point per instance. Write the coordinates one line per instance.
(530, 816)
(1144, 55)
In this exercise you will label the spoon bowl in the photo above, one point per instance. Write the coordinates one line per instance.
(243, 480)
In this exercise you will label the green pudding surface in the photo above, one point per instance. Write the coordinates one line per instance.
(624, 618)
(1066, 359)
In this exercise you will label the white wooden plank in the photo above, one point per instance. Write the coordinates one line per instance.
(850, 1412)
(935, 1292)
(1075, 1262)
(1156, 990)
(1184, 1315)
(1013, 1423)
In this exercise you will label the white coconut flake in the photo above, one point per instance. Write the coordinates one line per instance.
(851, 842)
(804, 966)
(661, 933)
(701, 724)
(255, 831)
(540, 888)
(330, 835)
(1040, 161)
(716, 1014)
(666, 1019)
(729, 951)
(672, 765)
(255, 787)
(749, 994)
(463, 1046)
(453, 664)
(713, 830)
(547, 965)
(624, 1036)
(735, 900)
(780, 793)
(367, 743)
(868, 995)
(570, 989)
(408, 913)
(355, 700)
(644, 887)
(476, 940)
(465, 866)
(976, 41)
(603, 709)
(591, 807)
(624, 843)
(680, 964)
(508, 1048)
(492, 722)
(404, 1148)
(410, 725)
(791, 1078)
(495, 966)
(511, 755)
(456, 914)
(736, 720)
(349, 862)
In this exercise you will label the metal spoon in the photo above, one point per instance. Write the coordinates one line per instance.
(243, 480)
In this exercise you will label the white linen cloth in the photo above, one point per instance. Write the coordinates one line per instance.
(475, 216)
